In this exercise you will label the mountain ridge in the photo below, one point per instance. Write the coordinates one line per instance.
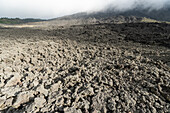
(160, 15)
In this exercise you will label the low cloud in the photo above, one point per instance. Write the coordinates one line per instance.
(55, 8)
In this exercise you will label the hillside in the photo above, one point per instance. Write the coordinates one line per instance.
(160, 15)
(18, 21)
(107, 16)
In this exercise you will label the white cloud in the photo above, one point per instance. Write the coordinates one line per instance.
(55, 8)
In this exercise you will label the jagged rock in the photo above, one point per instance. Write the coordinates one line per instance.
(23, 97)
(95, 111)
(111, 104)
(31, 108)
(72, 110)
(165, 91)
(33, 61)
(14, 80)
(99, 98)
(8, 102)
(59, 100)
(45, 109)
(10, 91)
(73, 70)
(42, 90)
(35, 82)
(7, 70)
(2, 102)
(2, 83)
(56, 86)
(39, 101)
(104, 110)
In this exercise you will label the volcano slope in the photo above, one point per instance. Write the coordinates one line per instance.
(103, 68)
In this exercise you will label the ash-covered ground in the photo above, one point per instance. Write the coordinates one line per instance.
(103, 68)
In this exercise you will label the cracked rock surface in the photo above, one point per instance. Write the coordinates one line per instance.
(81, 69)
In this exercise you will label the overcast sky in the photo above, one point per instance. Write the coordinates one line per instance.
(55, 8)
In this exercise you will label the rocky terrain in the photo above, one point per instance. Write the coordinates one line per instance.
(100, 68)
(81, 19)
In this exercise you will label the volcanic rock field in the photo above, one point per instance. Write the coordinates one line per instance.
(99, 68)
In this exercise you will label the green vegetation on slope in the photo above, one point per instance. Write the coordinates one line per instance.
(17, 20)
